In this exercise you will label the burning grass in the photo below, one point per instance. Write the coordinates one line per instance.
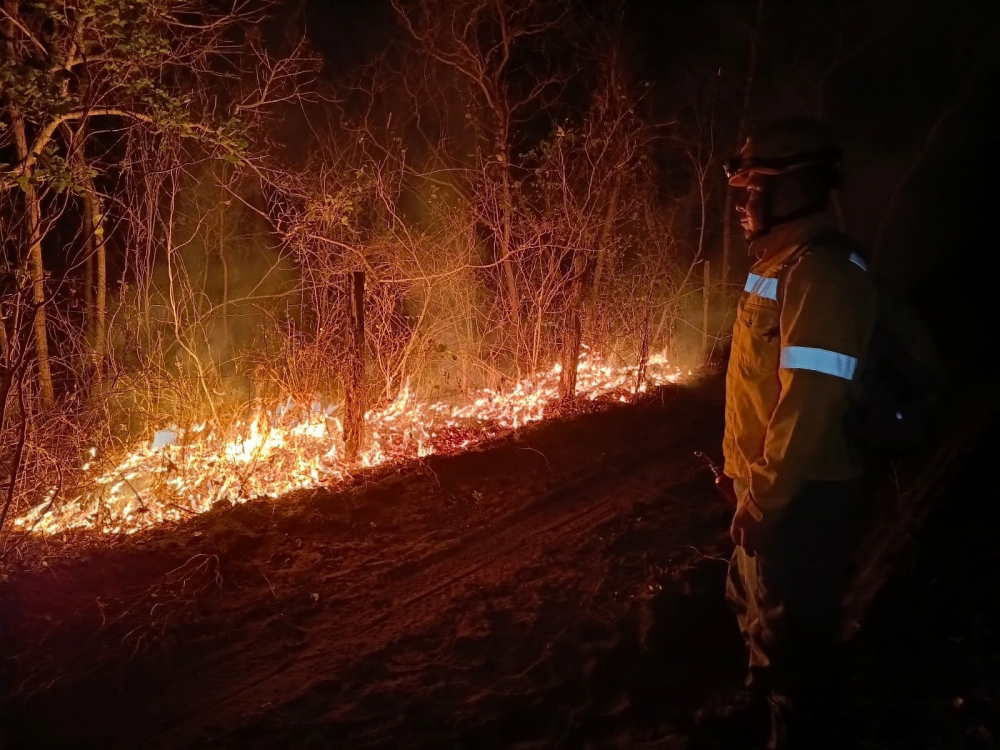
(181, 473)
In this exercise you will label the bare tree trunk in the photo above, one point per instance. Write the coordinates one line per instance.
(354, 407)
(225, 358)
(88, 284)
(506, 251)
(88, 266)
(93, 227)
(225, 273)
(36, 270)
(6, 381)
(101, 288)
(15, 466)
(606, 229)
(5, 350)
(95, 258)
(32, 203)
(727, 218)
(586, 277)
(671, 337)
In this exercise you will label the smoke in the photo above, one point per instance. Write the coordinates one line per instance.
(205, 286)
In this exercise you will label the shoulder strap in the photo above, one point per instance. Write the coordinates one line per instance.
(830, 237)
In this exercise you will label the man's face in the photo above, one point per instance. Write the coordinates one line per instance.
(750, 205)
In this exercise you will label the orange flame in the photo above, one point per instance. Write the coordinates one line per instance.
(270, 456)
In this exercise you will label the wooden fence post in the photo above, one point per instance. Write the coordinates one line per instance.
(573, 328)
(354, 390)
(705, 352)
(640, 372)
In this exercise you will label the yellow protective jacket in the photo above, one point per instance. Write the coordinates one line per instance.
(802, 330)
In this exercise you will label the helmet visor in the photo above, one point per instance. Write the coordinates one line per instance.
(737, 168)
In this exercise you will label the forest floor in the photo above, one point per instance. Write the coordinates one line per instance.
(559, 588)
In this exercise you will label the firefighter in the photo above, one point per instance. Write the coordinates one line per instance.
(803, 325)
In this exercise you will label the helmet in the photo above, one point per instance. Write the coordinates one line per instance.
(783, 146)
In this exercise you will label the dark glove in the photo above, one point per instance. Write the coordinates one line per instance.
(748, 529)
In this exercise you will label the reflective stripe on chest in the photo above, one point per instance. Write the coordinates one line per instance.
(767, 287)
(762, 286)
(825, 361)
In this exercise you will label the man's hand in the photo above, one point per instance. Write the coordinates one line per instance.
(747, 529)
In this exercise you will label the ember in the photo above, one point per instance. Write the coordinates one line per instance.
(182, 473)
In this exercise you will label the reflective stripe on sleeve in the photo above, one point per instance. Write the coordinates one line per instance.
(762, 286)
(858, 261)
(819, 360)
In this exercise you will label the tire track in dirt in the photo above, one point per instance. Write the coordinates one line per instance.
(419, 590)
(601, 486)
(363, 577)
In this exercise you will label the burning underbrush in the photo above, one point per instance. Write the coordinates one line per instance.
(181, 473)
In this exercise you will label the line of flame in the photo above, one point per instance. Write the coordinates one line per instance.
(270, 455)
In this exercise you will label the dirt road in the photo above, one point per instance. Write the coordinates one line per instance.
(561, 588)
(534, 593)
